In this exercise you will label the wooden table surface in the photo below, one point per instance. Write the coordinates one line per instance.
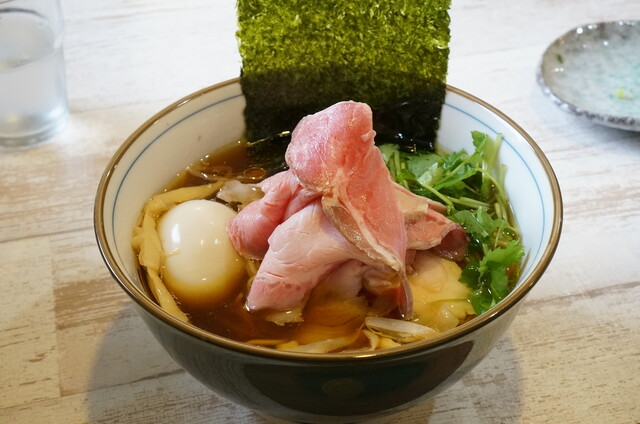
(72, 349)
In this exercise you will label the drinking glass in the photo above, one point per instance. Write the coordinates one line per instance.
(33, 98)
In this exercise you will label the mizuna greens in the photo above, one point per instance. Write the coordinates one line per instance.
(472, 188)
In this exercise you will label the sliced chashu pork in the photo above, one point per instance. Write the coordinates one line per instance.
(250, 230)
(303, 250)
(427, 227)
(307, 252)
(332, 155)
(333, 152)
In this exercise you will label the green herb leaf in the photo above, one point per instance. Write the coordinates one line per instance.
(471, 186)
(477, 225)
(490, 277)
(481, 300)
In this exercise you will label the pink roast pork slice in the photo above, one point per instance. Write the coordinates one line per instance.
(333, 152)
(304, 249)
(250, 230)
(364, 226)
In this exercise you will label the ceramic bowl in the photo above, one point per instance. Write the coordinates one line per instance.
(316, 388)
(594, 71)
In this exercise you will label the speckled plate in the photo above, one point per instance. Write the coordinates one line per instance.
(594, 71)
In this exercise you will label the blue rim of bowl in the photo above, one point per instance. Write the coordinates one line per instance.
(144, 301)
(629, 123)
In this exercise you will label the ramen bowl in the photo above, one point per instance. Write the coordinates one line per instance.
(305, 387)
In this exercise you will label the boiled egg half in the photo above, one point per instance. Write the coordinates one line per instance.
(201, 266)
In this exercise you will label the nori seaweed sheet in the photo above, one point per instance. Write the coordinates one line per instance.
(301, 57)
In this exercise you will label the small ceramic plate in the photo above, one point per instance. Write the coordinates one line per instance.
(594, 71)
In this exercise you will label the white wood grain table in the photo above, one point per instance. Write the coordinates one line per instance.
(72, 349)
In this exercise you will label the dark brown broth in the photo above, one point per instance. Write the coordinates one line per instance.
(232, 156)
(228, 318)
(231, 319)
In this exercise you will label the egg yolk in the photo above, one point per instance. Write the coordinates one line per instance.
(201, 266)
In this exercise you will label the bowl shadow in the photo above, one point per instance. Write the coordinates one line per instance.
(134, 380)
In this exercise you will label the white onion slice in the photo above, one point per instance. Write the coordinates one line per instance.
(234, 191)
(398, 330)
